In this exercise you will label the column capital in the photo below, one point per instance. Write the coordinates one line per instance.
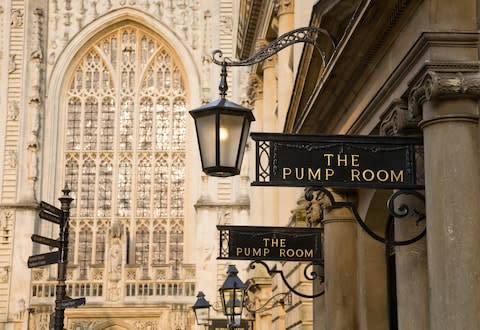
(396, 121)
(270, 62)
(434, 86)
(285, 7)
(319, 202)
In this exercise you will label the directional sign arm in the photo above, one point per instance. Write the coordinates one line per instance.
(43, 259)
(68, 303)
(51, 209)
(46, 241)
(50, 217)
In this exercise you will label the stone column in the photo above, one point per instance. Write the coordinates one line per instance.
(255, 97)
(448, 104)
(340, 248)
(410, 260)
(285, 73)
(286, 20)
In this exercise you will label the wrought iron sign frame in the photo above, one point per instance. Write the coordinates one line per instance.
(348, 161)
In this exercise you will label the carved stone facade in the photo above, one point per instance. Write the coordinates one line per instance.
(96, 95)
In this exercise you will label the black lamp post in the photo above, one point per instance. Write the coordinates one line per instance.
(201, 308)
(232, 294)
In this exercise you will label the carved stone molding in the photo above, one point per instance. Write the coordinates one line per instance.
(16, 18)
(255, 88)
(13, 110)
(317, 202)
(285, 7)
(396, 121)
(6, 220)
(442, 85)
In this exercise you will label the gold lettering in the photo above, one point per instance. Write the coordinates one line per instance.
(329, 158)
(382, 175)
(370, 177)
(282, 253)
(286, 172)
(396, 177)
(355, 160)
(355, 175)
(328, 173)
(309, 253)
(239, 251)
(283, 242)
(257, 252)
(314, 175)
(302, 171)
(341, 161)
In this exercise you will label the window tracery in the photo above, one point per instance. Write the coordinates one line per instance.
(125, 148)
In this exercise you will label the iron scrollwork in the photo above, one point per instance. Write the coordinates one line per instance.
(395, 211)
(313, 275)
(307, 34)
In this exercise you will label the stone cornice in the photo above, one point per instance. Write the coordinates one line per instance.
(27, 206)
(425, 41)
(436, 85)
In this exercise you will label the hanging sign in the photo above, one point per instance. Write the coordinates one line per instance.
(46, 241)
(43, 259)
(293, 160)
(270, 243)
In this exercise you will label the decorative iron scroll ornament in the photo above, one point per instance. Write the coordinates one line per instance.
(282, 298)
(313, 275)
(307, 34)
(394, 212)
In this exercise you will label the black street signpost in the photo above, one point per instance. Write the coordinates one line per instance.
(291, 160)
(270, 243)
(60, 217)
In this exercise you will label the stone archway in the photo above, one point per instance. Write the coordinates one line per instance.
(112, 325)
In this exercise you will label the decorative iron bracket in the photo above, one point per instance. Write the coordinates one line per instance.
(273, 271)
(282, 298)
(394, 212)
(307, 34)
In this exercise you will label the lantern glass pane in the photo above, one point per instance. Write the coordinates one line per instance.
(206, 139)
(202, 315)
(230, 136)
(246, 130)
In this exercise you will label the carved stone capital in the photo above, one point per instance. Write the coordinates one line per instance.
(442, 85)
(285, 7)
(317, 202)
(255, 87)
(396, 120)
(270, 62)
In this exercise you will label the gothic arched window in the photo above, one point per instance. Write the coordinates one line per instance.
(125, 143)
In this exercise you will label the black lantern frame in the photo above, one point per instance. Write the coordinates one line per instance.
(223, 126)
(201, 308)
(222, 131)
(232, 294)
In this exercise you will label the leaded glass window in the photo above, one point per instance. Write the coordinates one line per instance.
(125, 147)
